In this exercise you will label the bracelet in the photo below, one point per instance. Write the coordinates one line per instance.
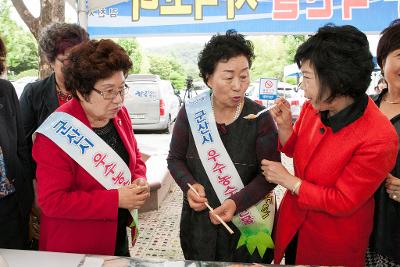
(296, 187)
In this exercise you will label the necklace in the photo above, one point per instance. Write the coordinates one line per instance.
(237, 111)
(391, 102)
(62, 96)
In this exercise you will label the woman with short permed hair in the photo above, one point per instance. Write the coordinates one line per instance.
(217, 152)
(39, 99)
(90, 174)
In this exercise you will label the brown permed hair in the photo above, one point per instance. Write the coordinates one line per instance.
(3, 54)
(92, 61)
(58, 37)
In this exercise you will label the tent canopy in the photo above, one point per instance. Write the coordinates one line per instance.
(127, 18)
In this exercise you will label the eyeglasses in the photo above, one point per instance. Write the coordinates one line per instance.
(111, 94)
(299, 86)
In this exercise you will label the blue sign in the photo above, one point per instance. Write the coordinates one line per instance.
(182, 17)
(268, 88)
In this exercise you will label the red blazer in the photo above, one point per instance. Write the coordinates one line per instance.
(78, 214)
(333, 213)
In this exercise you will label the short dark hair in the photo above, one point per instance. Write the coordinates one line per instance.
(223, 47)
(92, 61)
(389, 41)
(3, 54)
(382, 80)
(341, 59)
(58, 37)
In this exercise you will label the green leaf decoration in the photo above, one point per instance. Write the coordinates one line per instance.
(251, 244)
(260, 241)
(135, 217)
(135, 222)
(264, 242)
(241, 241)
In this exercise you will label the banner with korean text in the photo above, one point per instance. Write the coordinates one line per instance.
(131, 18)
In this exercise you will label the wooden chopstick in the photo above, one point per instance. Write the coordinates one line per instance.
(212, 210)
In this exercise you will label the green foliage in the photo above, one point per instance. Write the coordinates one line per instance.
(273, 53)
(132, 48)
(177, 80)
(32, 72)
(291, 80)
(168, 69)
(22, 51)
(292, 42)
(269, 60)
(185, 54)
(160, 66)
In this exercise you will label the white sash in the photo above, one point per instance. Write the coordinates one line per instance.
(255, 223)
(88, 150)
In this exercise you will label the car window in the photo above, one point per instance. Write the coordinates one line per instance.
(144, 90)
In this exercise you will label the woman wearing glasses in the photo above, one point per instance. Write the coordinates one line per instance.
(41, 98)
(89, 170)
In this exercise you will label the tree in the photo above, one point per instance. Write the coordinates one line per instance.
(185, 54)
(270, 58)
(132, 48)
(292, 42)
(160, 66)
(50, 11)
(178, 75)
(168, 69)
(273, 53)
(21, 47)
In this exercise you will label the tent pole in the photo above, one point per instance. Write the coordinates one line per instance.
(82, 14)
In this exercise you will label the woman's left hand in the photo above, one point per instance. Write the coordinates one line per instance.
(225, 211)
(393, 187)
(276, 173)
(142, 184)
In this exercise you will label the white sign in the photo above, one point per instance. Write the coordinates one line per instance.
(268, 88)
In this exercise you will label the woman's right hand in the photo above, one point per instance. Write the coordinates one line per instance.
(132, 197)
(281, 113)
(196, 202)
(393, 187)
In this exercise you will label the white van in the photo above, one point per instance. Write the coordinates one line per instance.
(151, 102)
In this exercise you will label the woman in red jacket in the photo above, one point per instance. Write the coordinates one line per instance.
(84, 197)
(342, 147)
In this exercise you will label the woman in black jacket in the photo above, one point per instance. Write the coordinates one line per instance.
(384, 246)
(16, 192)
(41, 98)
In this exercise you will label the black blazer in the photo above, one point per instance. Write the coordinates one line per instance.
(15, 151)
(37, 101)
